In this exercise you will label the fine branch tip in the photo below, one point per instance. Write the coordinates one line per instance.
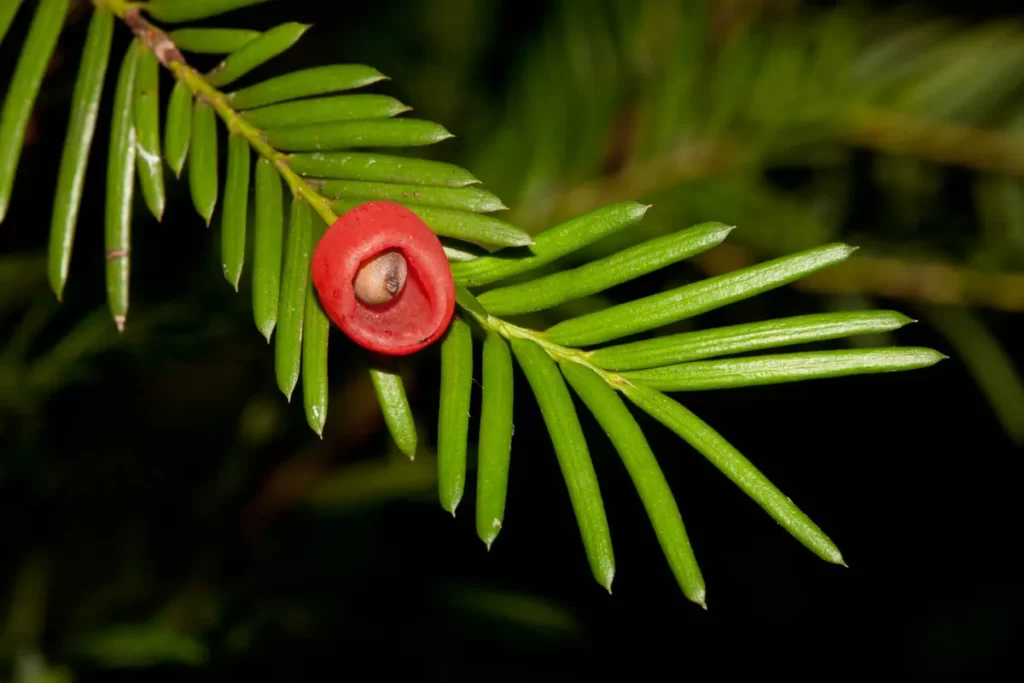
(119, 321)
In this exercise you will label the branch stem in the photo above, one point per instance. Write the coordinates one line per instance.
(160, 44)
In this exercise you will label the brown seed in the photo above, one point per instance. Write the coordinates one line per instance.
(381, 279)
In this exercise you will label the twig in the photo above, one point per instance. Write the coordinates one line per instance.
(943, 143)
(161, 45)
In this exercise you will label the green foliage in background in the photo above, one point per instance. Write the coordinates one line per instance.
(700, 107)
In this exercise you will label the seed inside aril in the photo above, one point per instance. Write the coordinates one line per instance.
(381, 279)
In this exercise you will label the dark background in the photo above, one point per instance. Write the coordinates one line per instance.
(159, 480)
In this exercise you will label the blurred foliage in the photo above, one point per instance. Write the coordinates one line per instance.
(762, 115)
(162, 505)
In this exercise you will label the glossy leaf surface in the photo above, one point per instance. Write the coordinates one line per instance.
(85, 104)
(570, 446)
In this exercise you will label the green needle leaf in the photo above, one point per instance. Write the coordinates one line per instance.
(180, 11)
(551, 244)
(236, 207)
(325, 110)
(266, 262)
(453, 413)
(23, 89)
(725, 341)
(120, 173)
(395, 406)
(628, 439)
(149, 162)
(465, 299)
(737, 468)
(202, 160)
(461, 252)
(472, 199)
(316, 329)
(288, 342)
(212, 41)
(485, 231)
(363, 133)
(7, 12)
(570, 446)
(85, 104)
(380, 168)
(178, 127)
(599, 275)
(318, 80)
(788, 367)
(664, 308)
(495, 439)
(255, 53)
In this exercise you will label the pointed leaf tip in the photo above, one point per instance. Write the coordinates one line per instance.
(77, 146)
(559, 415)
(552, 244)
(453, 413)
(394, 405)
(700, 598)
(735, 467)
(608, 578)
(663, 308)
(575, 283)
(495, 433)
(628, 439)
(291, 304)
(781, 368)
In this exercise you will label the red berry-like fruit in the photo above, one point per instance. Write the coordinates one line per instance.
(383, 277)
